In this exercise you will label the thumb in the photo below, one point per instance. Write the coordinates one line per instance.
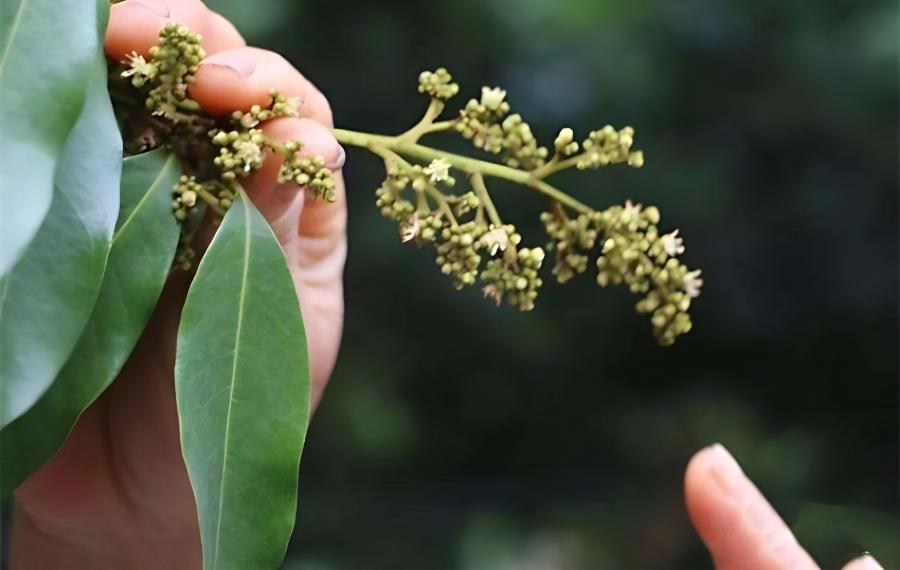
(740, 528)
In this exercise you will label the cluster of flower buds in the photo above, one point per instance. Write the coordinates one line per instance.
(184, 196)
(438, 84)
(635, 254)
(609, 146)
(281, 106)
(240, 152)
(172, 66)
(570, 240)
(487, 123)
(306, 171)
(457, 255)
(479, 121)
(237, 144)
(516, 280)
(565, 143)
(388, 196)
(520, 146)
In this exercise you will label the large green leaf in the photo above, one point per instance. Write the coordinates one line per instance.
(143, 247)
(242, 385)
(48, 50)
(47, 297)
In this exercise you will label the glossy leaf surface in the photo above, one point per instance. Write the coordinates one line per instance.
(48, 52)
(47, 297)
(143, 247)
(242, 385)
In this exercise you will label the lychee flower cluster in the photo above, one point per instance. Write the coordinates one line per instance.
(457, 254)
(518, 281)
(609, 146)
(635, 254)
(487, 123)
(233, 148)
(474, 245)
(306, 171)
(437, 84)
(571, 238)
(421, 194)
(185, 196)
(240, 152)
(172, 66)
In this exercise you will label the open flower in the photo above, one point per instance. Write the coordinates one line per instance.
(437, 171)
(492, 98)
(673, 244)
(692, 283)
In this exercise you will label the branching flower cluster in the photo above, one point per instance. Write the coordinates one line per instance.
(436, 198)
(221, 152)
(474, 245)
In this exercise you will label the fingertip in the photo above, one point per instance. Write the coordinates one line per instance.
(735, 521)
(317, 139)
(864, 562)
(134, 26)
(238, 78)
(224, 82)
(220, 34)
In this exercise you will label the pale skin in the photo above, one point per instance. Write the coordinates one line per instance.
(117, 494)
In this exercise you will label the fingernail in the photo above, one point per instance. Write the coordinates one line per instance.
(242, 66)
(338, 162)
(156, 9)
(864, 562)
(727, 472)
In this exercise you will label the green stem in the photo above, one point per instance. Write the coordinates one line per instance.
(481, 191)
(440, 126)
(556, 165)
(443, 205)
(469, 165)
(434, 109)
(211, 200)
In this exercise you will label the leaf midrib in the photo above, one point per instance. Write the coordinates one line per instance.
(12, 35)
(237, 345)
(137, 208)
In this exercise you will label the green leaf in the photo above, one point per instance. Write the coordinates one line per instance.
(242, 386)
(143, 247)
(48, 51)
(47, 297)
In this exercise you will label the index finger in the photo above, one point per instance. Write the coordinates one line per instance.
(740, 528)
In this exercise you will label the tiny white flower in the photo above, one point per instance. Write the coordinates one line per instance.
(492, 98)
(673, 244)
(692, 283)
(249, 153)
(630, 211)
(409, 229)
(139, 66)
(438, 170)
(495, 240)
(491, 292)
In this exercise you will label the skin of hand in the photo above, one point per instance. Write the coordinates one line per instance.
(737, 524)
(117, 493)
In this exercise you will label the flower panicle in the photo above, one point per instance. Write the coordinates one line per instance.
(473, 245)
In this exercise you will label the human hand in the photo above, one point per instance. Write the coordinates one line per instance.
(117, 494)
(737, 524)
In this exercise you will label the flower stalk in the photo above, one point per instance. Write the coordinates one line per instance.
(420, 192)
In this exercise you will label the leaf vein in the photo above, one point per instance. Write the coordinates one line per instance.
(150, 190)
(17, 19)
(231, 400)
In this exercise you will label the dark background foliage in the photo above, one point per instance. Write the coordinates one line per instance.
(457, 435)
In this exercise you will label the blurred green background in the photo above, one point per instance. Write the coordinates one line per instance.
(456, 435)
